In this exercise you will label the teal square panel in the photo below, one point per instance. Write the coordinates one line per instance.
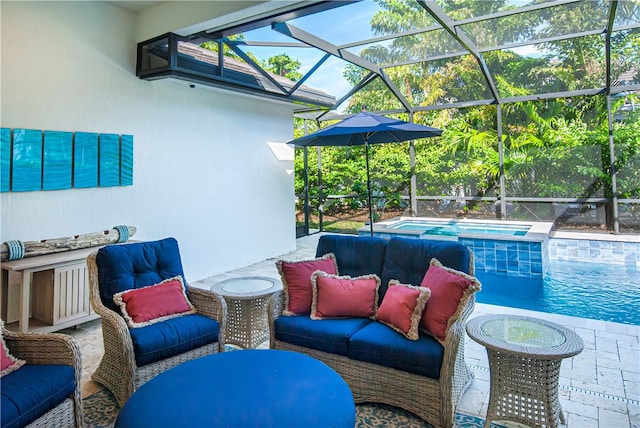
(58, 149)
(27, 160)
(126, 160)
(109, 160)
(85, 160)
(5, 159)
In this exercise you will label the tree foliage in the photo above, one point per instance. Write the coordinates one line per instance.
(553, 148)
(281, 65)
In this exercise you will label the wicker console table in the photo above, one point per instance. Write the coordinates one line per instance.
(524, 360)
(46, 293)
(247, 300)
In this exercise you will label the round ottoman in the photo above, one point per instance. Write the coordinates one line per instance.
(266, 388)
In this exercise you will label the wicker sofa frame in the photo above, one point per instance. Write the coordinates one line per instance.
(118, 370)
(432, 400)
(51, 348)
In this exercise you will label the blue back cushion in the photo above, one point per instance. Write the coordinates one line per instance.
(355, 255)
(33, 390)
(136, 265)
(407, 259)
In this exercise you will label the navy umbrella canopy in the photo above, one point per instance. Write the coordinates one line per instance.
(364, 129)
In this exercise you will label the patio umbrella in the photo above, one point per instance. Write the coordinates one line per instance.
(365, 129)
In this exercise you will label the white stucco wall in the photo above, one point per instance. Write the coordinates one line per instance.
(203, 171)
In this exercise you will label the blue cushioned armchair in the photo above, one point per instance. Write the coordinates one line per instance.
(46, 390)
(135, 355)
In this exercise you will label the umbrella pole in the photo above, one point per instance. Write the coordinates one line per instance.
(366, 149)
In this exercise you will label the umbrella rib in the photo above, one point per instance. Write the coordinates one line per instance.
(393, 134)
(367, 135)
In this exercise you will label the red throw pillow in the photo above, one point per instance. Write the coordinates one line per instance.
(402, 307)
(450, 293)
(144, 306)
(342, 296)
(8, 363)
(296, 281)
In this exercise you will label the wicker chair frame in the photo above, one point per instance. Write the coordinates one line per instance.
(51, 348)
(117, 370)
(433, 400)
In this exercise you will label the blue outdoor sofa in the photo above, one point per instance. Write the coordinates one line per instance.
(380, 365)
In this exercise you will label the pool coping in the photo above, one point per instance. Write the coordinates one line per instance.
(594, 236)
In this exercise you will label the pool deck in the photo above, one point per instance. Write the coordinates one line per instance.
(599, 388)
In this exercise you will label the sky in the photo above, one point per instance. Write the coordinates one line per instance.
(338, 26)
(354, 23)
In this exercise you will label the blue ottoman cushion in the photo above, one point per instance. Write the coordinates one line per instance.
(136, 265)
(329, 335)
(249, 388)
(172, 337)
(355, 255)
(33, 390)
(407, 259)
(378, 344)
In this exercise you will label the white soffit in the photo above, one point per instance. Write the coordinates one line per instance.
(172, 16)
(134, 6)
(244, 15)
(282, 151)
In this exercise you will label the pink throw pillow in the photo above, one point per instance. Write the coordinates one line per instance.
(8, 363)
(342, 296)
(144, 306)
(296, 281)
(450, 293)
(402, 307)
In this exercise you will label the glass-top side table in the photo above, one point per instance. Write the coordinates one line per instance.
(247, 300)
(525, 355)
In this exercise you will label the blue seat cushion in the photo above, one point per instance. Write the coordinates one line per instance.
(330, 335)
(378, 344)
(172, 337)
(407, 259)
(355, 255)
(33, 390)
(136, 265)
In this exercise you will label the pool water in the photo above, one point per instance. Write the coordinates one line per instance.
(604, 292)
(455, 228)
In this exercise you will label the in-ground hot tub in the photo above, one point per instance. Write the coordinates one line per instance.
(512, 248)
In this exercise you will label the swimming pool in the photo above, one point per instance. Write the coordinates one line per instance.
(606, 292)
(456, 227)
(595, 276)
(453, 229)
(516, 248)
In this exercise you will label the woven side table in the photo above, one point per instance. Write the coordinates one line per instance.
(524, 360)
(247, 300)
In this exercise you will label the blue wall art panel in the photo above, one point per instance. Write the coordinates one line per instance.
(109, 160)
(31, 160)
(58, 150)
(85, 160)
(27, 160)
(5, 159)
(126, 160)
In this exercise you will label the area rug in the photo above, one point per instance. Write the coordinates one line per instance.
(100, 411)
